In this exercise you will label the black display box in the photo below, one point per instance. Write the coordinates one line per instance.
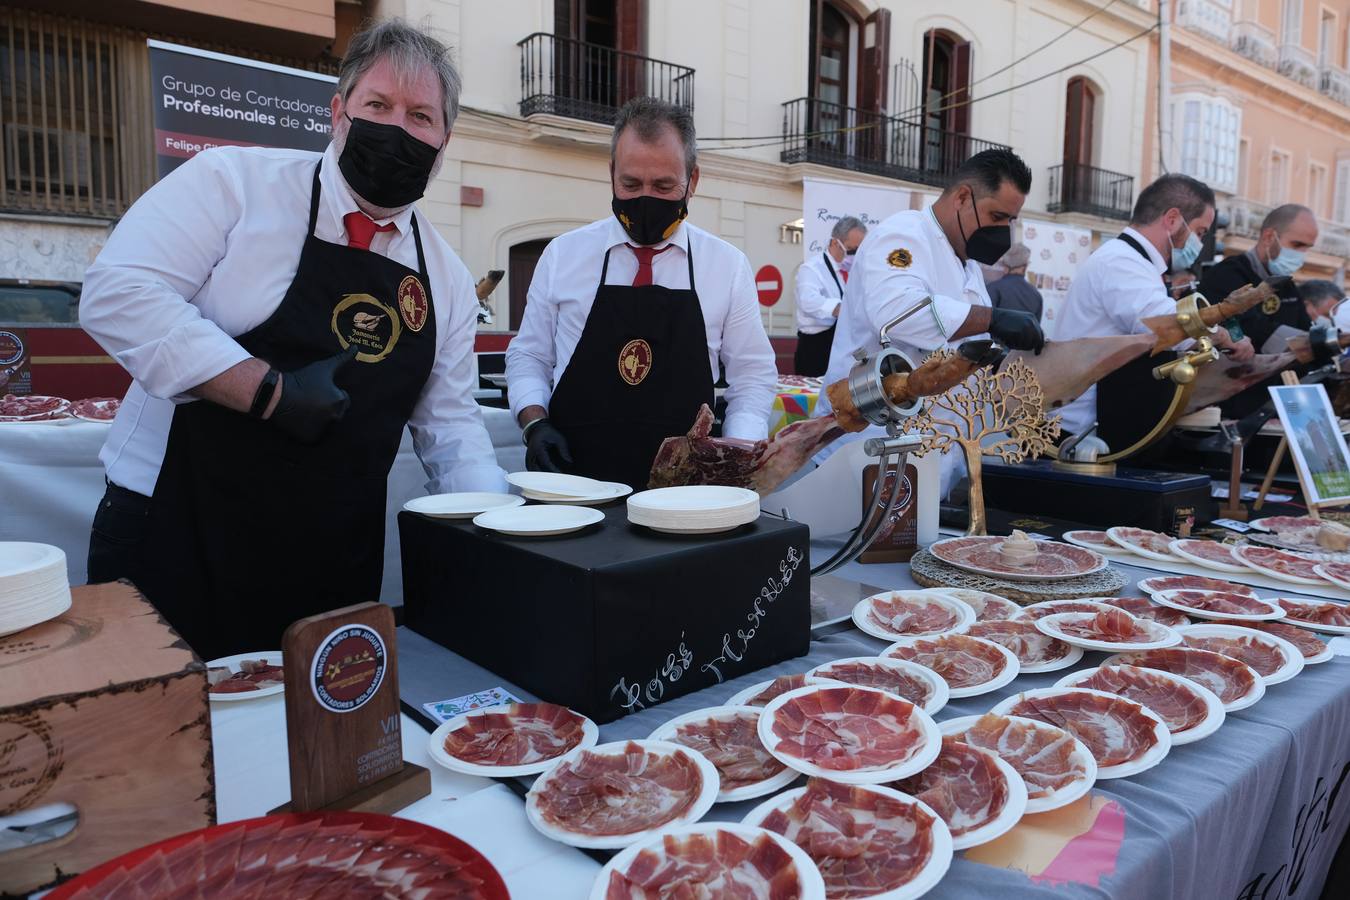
(614, 618)
(1139, 498)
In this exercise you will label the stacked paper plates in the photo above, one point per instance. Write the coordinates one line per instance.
(556, 487)
(694, 509)
(33, 585)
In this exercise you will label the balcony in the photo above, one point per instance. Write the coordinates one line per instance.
(1245, 217)
(815, 131)
(564, 77)
(1335, 83)
(1207, 18)
(1332, 239)
(1256, 42)
(1298, 64)
(1087, 189)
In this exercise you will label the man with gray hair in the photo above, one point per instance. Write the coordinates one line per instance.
(629, 319)
(820, 291)
(1013, 291)
(285, 315)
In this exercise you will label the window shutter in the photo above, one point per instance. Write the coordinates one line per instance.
(874, 67)
(1340, 207)
(961, 69)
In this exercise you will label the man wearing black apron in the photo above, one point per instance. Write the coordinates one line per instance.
(268, 502)
(820, 294)
(617, 347)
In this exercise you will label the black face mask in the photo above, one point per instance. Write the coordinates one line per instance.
(387, 166)
(986, 244)
(650, 220)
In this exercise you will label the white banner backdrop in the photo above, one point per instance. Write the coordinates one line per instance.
(1056, 252)
(826, 202)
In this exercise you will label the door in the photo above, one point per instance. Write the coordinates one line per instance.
(520, 270)
(1079, 115)
(593, 38)
(830, 75)
(947, 67)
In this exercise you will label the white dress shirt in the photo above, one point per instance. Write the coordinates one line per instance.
(560, 297)
(1112, 292)
(820, 288)
(208, 253)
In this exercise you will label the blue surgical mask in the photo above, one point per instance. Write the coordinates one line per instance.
(1286, 263)
(1185, 256)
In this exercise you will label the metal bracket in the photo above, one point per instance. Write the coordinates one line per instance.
(884, 337)
(892, 454)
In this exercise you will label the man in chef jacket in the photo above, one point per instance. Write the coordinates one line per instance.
(627, 319)
(936, 253)
(820, 290)
(1121, 283)
(285, 314)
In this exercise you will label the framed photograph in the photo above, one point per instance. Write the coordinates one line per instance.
(1314, 435)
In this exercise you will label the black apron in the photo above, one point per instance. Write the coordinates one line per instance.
(250, 530)
(812, 356)
(638, 375)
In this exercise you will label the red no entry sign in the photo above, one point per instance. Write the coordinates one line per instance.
(769, 284)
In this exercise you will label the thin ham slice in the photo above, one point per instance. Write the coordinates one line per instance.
(1180, 707)
(613, 794)
(847, 728)
(963, 785)
(1229, 602)
(1041, 754)
(1115, 731)
(1225, 676)
(1192, 583)
(1337, 614)
(1031, 646)
(780, 685)
(904, 616)
(1279, 561)
(864, 674)
(1114, 626)
(1144, 608)
(1142, 537)
(731, 743)
(1307, 643)
(518, 734)
(695, 866)
(962, 661)
(1265, 658)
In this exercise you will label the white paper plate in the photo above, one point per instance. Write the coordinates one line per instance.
(464, 505)
(272, 657)
(743, 697)
(667, 731)
(924, 880)
(930, 743)
(1257, 691)
(20, 559)
(612, 491)
(702, 803)
(1117, 534)
(812, 884)
(1271, 573)
(1165, 598)
(538, 521)
(1010, 671)
(436, 748)
(694, 500)
(962, 610)
(1107, 549)
(1293, 657)
(1179, 548)
(1330, 576)
(1312, 626)
(938, 693)
(1051, 625)
(1262, 524)
(1214, 714)
(558, 484)
(697, 529)
(1054, 665)
(1003, 608)
(1008, 817)
(1155, 584)
(1032, 609)
(1062, 797)
(1151, 757)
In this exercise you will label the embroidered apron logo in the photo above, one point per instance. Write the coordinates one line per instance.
(635, 361)
(900, 258)
(372, 327)
(348, 668)
(1270, 306)
(412, 303)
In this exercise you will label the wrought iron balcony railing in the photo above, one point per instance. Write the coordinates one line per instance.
(1299, 64)
(1207, 18)
(1256, 42)
(1335, 83)
(578, 80)
(1087, 189)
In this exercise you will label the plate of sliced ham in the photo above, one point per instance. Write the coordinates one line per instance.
(1114, 629)
(1142, 542)
(712, 859)
(1319, 615)
(616, 794)
(33, 408)
(1210, 554)
(986, 605)
(1335, 572)
(1314, 649)
(96, 409)
(1055, 766)
(512, 740)
(866, 840)
(728, 736)
(907, 680)
(1219, 605)
(976, 793)
(895, 614)
(1144, 608)
(1095, 540)
(1272, 658)
(1191, 583)
(970, 665)
(1272, 524)
(245, 676)
(847, 733)
(1236, 684)
(1017, 557)
(1280, 564)
(1035, 650)
(1050, 607)
(760, 694)
(1191, 710)
(1123, 736)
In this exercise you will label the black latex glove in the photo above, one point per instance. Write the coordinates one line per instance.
(546, 450)
(310, 399)
(1016, 329)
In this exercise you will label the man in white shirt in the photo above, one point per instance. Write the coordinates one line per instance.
(820, 290)
(1121, 283)
(285, 315)
(627, 318)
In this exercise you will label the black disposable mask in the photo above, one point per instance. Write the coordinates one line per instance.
(650, 220)
(987, 243)
(384, 164)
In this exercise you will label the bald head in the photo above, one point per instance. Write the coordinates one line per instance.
(1290, 227)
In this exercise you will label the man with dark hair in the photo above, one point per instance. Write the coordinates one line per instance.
(820, 290)
(628, 319)
(1321, 299)
(1013, 291)
(935, 254)
(1121, 284)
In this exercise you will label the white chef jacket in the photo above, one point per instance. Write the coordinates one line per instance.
(820, 288)
(560, 297)
(1112, 292)
(208, 253)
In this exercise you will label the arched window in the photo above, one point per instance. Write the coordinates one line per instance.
(946, 98)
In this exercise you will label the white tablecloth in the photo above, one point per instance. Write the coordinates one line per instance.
(51, 482)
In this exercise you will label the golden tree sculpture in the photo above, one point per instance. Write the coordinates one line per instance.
(1007, 406)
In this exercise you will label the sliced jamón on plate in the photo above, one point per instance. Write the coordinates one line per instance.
(1236, 684)
(1191, 583)
(1190, 710)
(1113, 629)
(911, 681)
(969, 665)
(1144, 608)
(1123, 736)
(1055, 766)
(1280, 564)
(728, 736)
(894, 614)
(1219, 605)
(1035, 650)
(1141, 541)
(1333, 618)
(1272, 658)
(512, 740)
(1210, 554)
(984, 555)
(1314, 649)
(976, 793)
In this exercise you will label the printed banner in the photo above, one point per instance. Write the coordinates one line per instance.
(826, 202)
(1056, 252)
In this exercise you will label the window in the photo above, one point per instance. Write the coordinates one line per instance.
(1277, 187)
(946, 118)
(1317, 189)
(1326, 39)
(1340, 205)
(1208, 130)
(1244, 181)
(1291, 23)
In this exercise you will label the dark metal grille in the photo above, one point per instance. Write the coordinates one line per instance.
(571, 78)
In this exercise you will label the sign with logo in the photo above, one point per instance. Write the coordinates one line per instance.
(1057, 250)
(412, 303)
(769, 285)
(348, 668)
(635, 361)
(826, 202)
(898, 538)
(203, 100)
(15, 375)
(373, 327)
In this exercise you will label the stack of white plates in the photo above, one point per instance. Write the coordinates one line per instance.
(555, 487)
(33, 585)
(694, 509)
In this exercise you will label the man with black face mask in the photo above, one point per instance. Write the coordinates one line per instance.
(628, 319)
(285, 315)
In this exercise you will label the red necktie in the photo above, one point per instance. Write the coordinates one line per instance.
(361, 228)
(844, 275)
(645, 255)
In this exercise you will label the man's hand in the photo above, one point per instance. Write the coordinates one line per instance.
(1016, 329)
(310, 399)
(1238, 351)
(547, 449)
